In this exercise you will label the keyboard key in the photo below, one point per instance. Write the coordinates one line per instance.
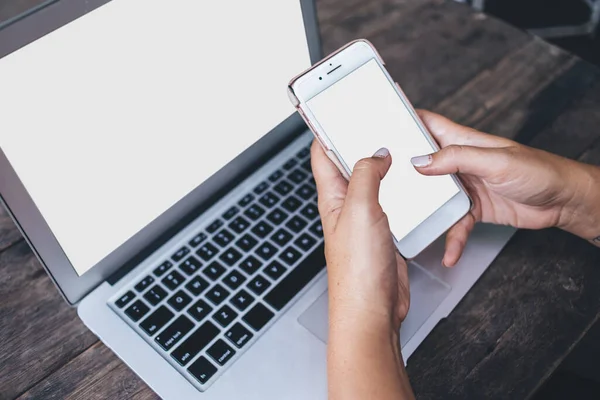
(179, 300)
(274, 270)
(125, 299)
(317, 229)
(155, 295)
(173, 280)
(296, 224)
(275, 176)
(214, 270)
(291, 203)
(174, 332)
(266, 251)
(156, 320)
(217, 294)
(225, 316)
(198, 239)
(223, 238)
(239, 225)
(137, 310)
(179, 254)
(254, 212)
(290, 164)
(277, 216)
(190, 265)
(307, 166)
(269, 199)
(250, 265)
(258, 285)
(242, 300)
(207, 251)
(221, 352)
(297, 176)
(281, 237)
(305, 191)
(202, 370)
(297, 279)
(238, 335)
(262, 229)
(305, 242)
(310, 211)
(234, 280)
(246, 243)
(162, 268)
(283, 187)
(305, 152)
(258, 317)
(261, 188)
(231, 256)
(144, 283)
(212, 228)
(197, 341)
(247, 199)
(290, 256)
(197, 285)
(231, 213)
(200, 310)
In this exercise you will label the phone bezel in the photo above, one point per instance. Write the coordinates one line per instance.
(349, 58)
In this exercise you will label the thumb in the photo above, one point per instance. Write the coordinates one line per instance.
(363, 188)
(455, 159)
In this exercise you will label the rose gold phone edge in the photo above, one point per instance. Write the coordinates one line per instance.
(340, 165)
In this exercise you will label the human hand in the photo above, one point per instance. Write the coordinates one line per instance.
(509, 183)
(368, 279)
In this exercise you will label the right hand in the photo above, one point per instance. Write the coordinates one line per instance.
(509, 183)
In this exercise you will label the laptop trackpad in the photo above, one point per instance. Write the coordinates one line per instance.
(427, 293)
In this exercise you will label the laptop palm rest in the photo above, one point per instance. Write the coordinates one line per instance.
(426, 291)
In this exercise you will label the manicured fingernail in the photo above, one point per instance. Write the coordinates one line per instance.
(382, 153)
(421, 161)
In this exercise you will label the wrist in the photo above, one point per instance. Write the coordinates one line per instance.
(581, 214)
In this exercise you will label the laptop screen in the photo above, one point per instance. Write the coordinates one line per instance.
(112, 119)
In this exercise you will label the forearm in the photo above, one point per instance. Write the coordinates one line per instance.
(364, 362)
(581, 216)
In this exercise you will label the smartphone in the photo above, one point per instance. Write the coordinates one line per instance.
(354, 108)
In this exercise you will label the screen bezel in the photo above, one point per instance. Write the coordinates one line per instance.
(51, 16)
(335, 68)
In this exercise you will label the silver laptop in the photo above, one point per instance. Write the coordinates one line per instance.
(175, 211)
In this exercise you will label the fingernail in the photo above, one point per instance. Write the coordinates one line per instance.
(421, 161)
(382, 153)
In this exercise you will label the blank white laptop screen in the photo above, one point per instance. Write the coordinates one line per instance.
(115, 117)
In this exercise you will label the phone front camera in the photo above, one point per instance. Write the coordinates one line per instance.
(320, 78)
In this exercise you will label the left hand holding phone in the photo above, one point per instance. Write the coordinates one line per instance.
(368, 280)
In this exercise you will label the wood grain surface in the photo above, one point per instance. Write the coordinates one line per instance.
(517, 323)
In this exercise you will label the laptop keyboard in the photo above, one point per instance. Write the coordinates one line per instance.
(220, 290)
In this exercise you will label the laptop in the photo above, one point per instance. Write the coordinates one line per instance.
(174, 210)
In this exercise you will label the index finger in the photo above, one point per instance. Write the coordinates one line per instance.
(447, 132)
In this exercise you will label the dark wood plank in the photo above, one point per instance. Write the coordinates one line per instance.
(9, 234)
(516, 324)
(500, 99)
(95, 374)
(432, 48)
(39, 332)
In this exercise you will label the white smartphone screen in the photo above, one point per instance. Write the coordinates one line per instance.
(362, 113)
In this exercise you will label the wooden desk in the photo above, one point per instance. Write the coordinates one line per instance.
(518, 322)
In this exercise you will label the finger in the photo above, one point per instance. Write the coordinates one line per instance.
(456, 240)
(363, 188)
(331, 186)
(447, 132)
(478, 161)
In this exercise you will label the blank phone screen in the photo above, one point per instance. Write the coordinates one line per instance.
(362, 113)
